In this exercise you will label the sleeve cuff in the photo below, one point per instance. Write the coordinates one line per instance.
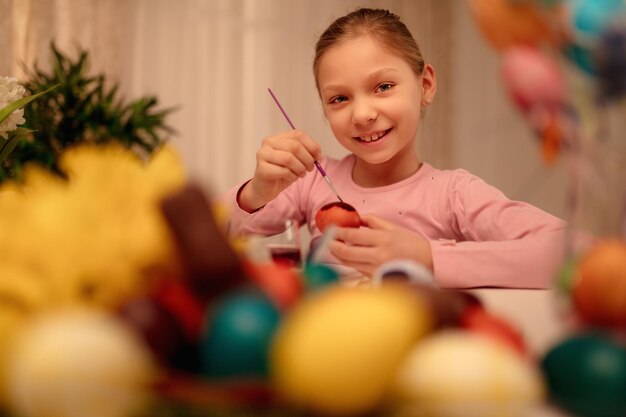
(239, 204)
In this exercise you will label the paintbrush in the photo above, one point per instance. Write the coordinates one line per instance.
(317, 164)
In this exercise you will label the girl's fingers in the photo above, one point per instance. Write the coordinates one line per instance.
(349, 253)
(283, 159)
(374, 222)
(362, 236)
(311, 146)
(273, 172)
(297, 143)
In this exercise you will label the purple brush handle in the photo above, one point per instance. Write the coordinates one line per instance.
(317, 164)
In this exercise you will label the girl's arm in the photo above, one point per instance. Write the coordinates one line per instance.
(503, 243)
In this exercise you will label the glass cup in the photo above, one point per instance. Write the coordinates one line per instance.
(285, 247)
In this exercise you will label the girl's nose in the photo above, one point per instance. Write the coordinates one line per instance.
(363, 112)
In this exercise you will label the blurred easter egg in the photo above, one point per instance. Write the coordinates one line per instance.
(460, 374)
(337, 351)
(588, 19)
(505, 23)
(317, 276)
(586, 375)
(180, 302)
(238, 335)
(480, 321)
(611, 61)
(566, 275)
(158, 329)
(447, 306)
(77, 363)
(532, 78)
(599, 291)
(281, 283)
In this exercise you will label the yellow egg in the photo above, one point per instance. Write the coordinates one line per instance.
(458, 374)
(336, 353)
(78, 363)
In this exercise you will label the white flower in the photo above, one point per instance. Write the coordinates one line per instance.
(10, 91)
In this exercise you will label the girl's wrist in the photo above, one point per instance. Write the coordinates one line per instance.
(247, 199)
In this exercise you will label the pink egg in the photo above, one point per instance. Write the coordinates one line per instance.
(532, 78)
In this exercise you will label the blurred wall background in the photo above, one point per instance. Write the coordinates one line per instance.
(215, 59)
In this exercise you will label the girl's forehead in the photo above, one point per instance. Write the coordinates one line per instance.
(363, 53)
(358, 43)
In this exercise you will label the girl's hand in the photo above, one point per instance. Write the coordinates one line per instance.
(367, 248)
(281, 159)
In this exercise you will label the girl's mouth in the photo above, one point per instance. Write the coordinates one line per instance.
(373, 137)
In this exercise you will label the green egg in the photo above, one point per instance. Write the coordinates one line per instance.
(317, 276)
(586, 375)
(238, 335)
(566, 275)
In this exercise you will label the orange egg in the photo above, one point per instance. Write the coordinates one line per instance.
(599, 291)
(505, 22)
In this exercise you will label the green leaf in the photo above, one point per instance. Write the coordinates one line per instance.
(7, 147)
(18, 104)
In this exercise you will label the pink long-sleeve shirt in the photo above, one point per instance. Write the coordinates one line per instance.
(478, 236)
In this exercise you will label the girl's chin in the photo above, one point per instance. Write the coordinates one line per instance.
(373, 159)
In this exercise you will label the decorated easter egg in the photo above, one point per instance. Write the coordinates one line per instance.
(74, 363)
(611, 61)
(317, 276)
(480, 321)
(282, 284)
(599, 290)
(158, 329)
(337, 213)
(339, 348)
(586, 375)
(447, 306)
(180, 302)
(238, 335)
(459, 374)
(566, 275)
(505, 23)
(532, 78)
(588, 19)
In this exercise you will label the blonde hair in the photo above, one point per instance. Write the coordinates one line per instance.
(380, 24)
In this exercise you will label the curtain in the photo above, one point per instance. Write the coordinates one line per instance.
(213, 61)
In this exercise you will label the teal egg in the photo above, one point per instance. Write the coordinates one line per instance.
(592, 17)
(586, 375)
(238, 335)
(581, 57)
(318, 276)
(589, 20)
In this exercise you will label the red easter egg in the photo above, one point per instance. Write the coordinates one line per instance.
(478, 320)
(180, 302)
(337, 213)
(283, 285)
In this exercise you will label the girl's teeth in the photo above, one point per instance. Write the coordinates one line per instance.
(374, 137)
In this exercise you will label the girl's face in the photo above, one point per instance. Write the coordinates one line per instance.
(373, 99)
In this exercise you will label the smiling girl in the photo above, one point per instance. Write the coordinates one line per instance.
(374, 84)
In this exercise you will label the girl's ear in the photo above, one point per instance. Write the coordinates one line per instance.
(429, 84)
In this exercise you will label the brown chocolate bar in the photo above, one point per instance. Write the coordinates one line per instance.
(210, 263)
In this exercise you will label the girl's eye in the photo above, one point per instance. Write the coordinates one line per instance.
(384, 87)
(338, 99)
